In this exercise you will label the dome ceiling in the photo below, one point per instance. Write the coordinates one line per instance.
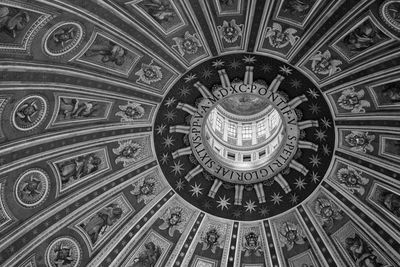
(103, 156)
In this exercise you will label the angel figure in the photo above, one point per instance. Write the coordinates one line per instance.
(279, 38)
(322, 63)
(352, 100)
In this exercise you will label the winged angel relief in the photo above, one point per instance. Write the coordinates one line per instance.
(279, 38)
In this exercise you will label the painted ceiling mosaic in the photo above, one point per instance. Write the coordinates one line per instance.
(103, 159)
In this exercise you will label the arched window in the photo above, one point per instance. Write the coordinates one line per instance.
(232, 129)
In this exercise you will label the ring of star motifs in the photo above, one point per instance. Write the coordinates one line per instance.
(256, 200)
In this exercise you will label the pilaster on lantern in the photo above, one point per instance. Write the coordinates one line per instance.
(297, 101)
(214, 188)
(283, 183)
(182, 152)
(225, 82)
(203, 90)
(238, 194)
(298, 167)
(184, 129)
(259, 188)
(274, 86)
(193, 173)
(308, 145)
(248, 76)
(186, 107)
(307, 124)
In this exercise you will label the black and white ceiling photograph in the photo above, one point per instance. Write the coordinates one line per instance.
(199, 133)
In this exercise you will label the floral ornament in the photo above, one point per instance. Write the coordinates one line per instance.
(352, 180)
(230, 31)
(360, 141)
(145, 189)
(252, 245)
(174, 219)
(327, 212)
(211, 240)
(279, 38)
(351, 100)
(322, 63)
(130, 112)
(290, 234)
(149, 73)
(128, 152)
(189, 44)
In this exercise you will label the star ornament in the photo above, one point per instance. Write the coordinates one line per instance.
(313, 93)
(223, 203)
(249, 59)
(160, 129)
(276, 198)
(218, 63)
(184, 91)
(266, 68)
(294, 198)
(168, 141)
(285, 70)
(164, 158)
(300, 184)
(170, 101)
(326, 150)
(315, 177)
(177, 168)
(179, 185)
(320, 135)
(207, 73)
(326, 123)
(295, 83)
(250, 206)
(314, 108)
(196, 190)
(315, 160)
(170, 115)
(190, 77)
(235, 64)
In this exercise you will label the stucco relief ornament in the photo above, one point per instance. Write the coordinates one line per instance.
(130, 112)
(390, 13)
(352, 100)
(174, 220)
(32, 188)
(128, 152)
(189, 44)
(322, 63)
(63, 252)
(211, 239)
(352, 180)
(252, 245)
(145, 189)
(279, 38)
(291, 234)
(327, 212)
(230, 31)
(149, 73)
(29, 113)
(360, 141)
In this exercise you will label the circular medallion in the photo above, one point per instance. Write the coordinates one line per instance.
(63, 38)
(29, 113)
(63, 251)
(390, 13)
(32, 188)
(244, 137)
